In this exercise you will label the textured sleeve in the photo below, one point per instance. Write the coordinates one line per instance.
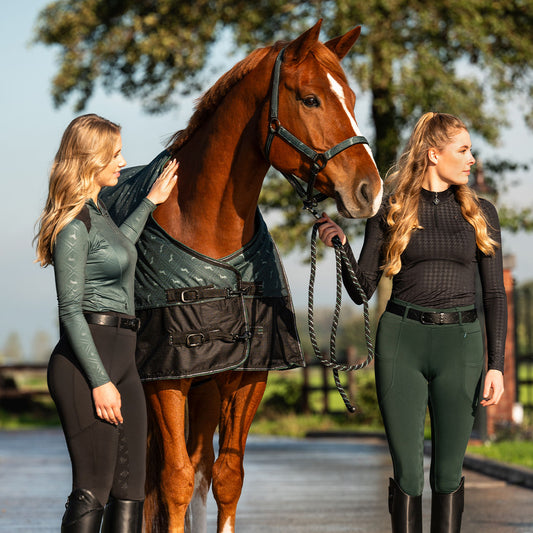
(134, 224)
(494, 297)
(367, 269)
(70, 258)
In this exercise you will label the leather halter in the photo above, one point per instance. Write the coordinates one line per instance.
(319, 160)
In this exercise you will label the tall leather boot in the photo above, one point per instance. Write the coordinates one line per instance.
(83, 513)
(405, 510)
(123, 516)
(447, 510)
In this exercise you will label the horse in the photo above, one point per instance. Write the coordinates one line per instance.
(283, 105)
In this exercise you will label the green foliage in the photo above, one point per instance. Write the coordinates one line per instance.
(516, 219)
(28, 413)
(519, 452)
(496, 179)
(294, 231)
(465, 58)
(283, 394)
(350, 332)
(12, 351)
(284, 398)
(298, 425)
(366, 398)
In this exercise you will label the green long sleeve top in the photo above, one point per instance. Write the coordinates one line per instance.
(94, 267)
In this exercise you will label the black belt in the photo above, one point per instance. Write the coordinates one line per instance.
(426, 317)
(102, 319)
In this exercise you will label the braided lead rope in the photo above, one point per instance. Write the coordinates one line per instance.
(340, 257)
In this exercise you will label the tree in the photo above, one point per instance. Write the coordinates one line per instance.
(41, 347)
(13, 352)
(467, 58)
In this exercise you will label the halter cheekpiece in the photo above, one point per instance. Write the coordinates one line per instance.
(319, 160)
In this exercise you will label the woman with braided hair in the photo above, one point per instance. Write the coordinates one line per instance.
(92, 375)
(431, 235)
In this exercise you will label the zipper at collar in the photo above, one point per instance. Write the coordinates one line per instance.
(435, 201)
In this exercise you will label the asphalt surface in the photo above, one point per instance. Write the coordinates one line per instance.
(327, 485)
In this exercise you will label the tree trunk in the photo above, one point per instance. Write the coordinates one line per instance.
(387, 136)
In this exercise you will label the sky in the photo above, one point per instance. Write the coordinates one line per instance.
(30, 135)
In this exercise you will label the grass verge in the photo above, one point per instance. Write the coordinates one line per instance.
(515, 452)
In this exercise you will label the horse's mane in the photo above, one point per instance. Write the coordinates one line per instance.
(211, 99)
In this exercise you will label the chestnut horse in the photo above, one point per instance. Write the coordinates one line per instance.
(224, 154)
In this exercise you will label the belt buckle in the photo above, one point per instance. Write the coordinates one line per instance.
(194, 339)
(194, 295)
(130, 323)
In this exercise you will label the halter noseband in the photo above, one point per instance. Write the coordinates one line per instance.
(319, 159)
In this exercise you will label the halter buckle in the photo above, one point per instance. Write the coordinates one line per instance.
(274, 125)
(320, 161)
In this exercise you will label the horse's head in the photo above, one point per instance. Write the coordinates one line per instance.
(316, 106)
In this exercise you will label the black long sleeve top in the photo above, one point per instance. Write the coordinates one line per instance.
(439, 265)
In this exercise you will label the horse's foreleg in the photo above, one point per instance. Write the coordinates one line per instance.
(241, 394)
(204, 411)
(170, 475)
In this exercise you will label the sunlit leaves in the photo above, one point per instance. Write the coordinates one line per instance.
(467, 58)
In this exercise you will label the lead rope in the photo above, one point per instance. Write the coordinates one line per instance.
(340, 258)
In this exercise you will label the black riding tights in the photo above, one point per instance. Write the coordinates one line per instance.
(106, 459)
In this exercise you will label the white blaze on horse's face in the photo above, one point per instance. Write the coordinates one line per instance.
(337, 89)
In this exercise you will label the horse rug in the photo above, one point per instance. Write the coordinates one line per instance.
(201, 315)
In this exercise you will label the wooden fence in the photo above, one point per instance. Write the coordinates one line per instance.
(325, 385)
(10, 388)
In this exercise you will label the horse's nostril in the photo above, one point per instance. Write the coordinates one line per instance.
(363, 190)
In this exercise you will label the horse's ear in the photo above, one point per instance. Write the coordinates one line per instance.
(340, 45)
(298, 49)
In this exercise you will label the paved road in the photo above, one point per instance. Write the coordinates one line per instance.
(296, 486)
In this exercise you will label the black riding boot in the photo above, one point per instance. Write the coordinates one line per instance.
(123, 516)
(447, 510)
(83, 513)
(405, 510)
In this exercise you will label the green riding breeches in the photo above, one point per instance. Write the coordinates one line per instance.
(418, 366)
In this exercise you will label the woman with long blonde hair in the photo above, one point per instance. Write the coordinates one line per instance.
(92, 375)
(432, 235)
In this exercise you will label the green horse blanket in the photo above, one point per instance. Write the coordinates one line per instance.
(201, 315)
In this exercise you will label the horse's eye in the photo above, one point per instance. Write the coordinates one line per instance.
(311, 101)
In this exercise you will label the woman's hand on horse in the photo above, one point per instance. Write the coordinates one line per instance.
(327, 229)
(493, 388)
(108, 403)
(162, 186)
